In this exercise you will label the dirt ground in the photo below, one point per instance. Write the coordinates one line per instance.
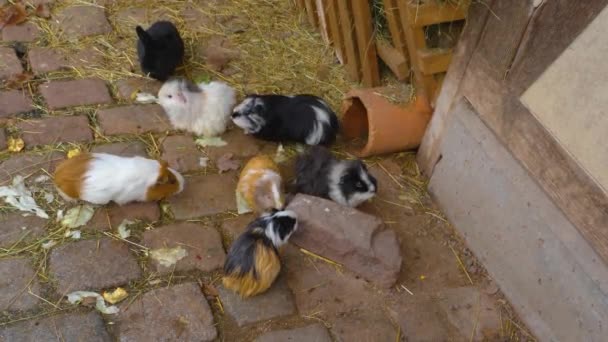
(442, 293)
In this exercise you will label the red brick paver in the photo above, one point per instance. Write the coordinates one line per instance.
(17, 278)
(9, 63)
(28, 165)
(181, 153)
(14, 102)
(26, 32)
(51, 130)
(43, 60)
(205, 195)
(80, 21)
(125, 149)
(129, 86)
(111, 216)
(2, 140)
(15, 227)
(133, 120)
(77, 326)
(62, 94)
(316, 332)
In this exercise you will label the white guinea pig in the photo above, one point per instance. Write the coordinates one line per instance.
(202, 109)
(99, 178)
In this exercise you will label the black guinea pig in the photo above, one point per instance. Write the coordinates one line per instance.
(160, 49)
(348, 182)
(300, 118)
(253, 263)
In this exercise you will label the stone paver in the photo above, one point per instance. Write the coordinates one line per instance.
(30, 165)
(181, 153)
(177, 313)
(133, 120)
(363, 327)
(239, 144)
(92, 265)
(125, 149)
(69, 93)
(276, 302)
(311, 333)
(81, 21)
(421, 320)
(2, 140)
(15, 227)
(55, 129)
(203, 246)
(17, 278)
(76, 326)
(110, 217)
(129, 86)
(234, 227)
(9, 63)
(205, 195)
(44, 60)
(26, 32)
(14, 102)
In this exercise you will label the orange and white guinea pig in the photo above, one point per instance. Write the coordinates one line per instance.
(260, 186)
(100, 178)
(253, 263)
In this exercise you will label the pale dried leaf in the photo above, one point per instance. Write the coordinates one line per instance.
(18, 196)
(78, 296)
(115, 296)
(210, 141)
(203, 162)
(168, 256)
(78, 216)
(123, 232)
(14, 15)
(49, 244)
(15, 144)
(145, 98)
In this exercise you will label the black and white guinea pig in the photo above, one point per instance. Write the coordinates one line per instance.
(160, 49)
(253, 263)
(348, 182)
(301, 118)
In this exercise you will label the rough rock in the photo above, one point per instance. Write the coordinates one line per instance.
(347, 236)
(312, 333)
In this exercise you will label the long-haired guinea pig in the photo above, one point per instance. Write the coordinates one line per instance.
(160, 49)
(260, 186)
(202, 109)
(301, 118)
(253, 262)
(348, 182)
(99, 178)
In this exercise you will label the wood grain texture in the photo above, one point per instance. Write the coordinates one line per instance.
(554, 25)
(353, 64)
(311, 11)
(366, 43)
(394, 59)
(433, 61)
(395, 26)
(334, 30)
(421, 15)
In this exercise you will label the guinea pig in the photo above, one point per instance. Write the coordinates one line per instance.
(99, 178)
(253, 262)
(160, 49)
(301, 118)
(348, 182)
(202, 109)
(260, 186)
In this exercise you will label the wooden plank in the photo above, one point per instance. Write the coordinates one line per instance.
(321, 6)
(350, 45)
(429, 152)
(394, 59)
(311, 11)
(421, 15)
(300, 4)
(554, 25)
(565, 182)
(366, 43)
(433, 61)
(335, 31)
(394, 26)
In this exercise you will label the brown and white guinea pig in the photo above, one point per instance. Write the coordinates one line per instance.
(260, 186)
(253, 262)
(100, 178)
(348, 182)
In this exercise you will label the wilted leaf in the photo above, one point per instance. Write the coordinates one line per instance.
(115, 296)
(73, 152)
(202, 78)
(80, 297)
(18, 80)
(74, 234)
(145, 98)
(210, 141)
(21, 198)
(49, 244)
(13, 15)
(15, 144)
(43, 11)
(77, 216)
(168, 256)
(203, 161)
(210, 290)
(226, 163)
(48, 197)
(122, 228)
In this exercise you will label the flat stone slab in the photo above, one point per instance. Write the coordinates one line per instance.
(81, 21)
(130, 86)
(15, 227)
(30, 165)
(422, 320)
(92, 265)
(203, 246)
(14, 102)
(70, 93)
(135, 119)
(347, 236)
(125, 149)
(311, 333)
(43, 60)
(240, 145)
(276, 302)
(205, 195)
(234, 227)
(181, 153)
(70, 327)
(10, 65)
(55, 129)
(17, 278)
(177, 313)
(111, 216)
(26, 32)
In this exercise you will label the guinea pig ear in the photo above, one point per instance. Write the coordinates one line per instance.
(165, 174)
(143, 35)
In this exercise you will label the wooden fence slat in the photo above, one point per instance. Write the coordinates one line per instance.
(366, 43)
(420, 15)
(335, 32)
(300, 4)
(352, 58)
(311, 11)
(322, 18)
(394, 59)
(434, 61)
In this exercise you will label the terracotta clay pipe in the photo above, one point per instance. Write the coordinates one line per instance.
(387, 127)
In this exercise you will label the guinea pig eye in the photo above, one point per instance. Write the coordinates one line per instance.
(359, 185)
(170, 96)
